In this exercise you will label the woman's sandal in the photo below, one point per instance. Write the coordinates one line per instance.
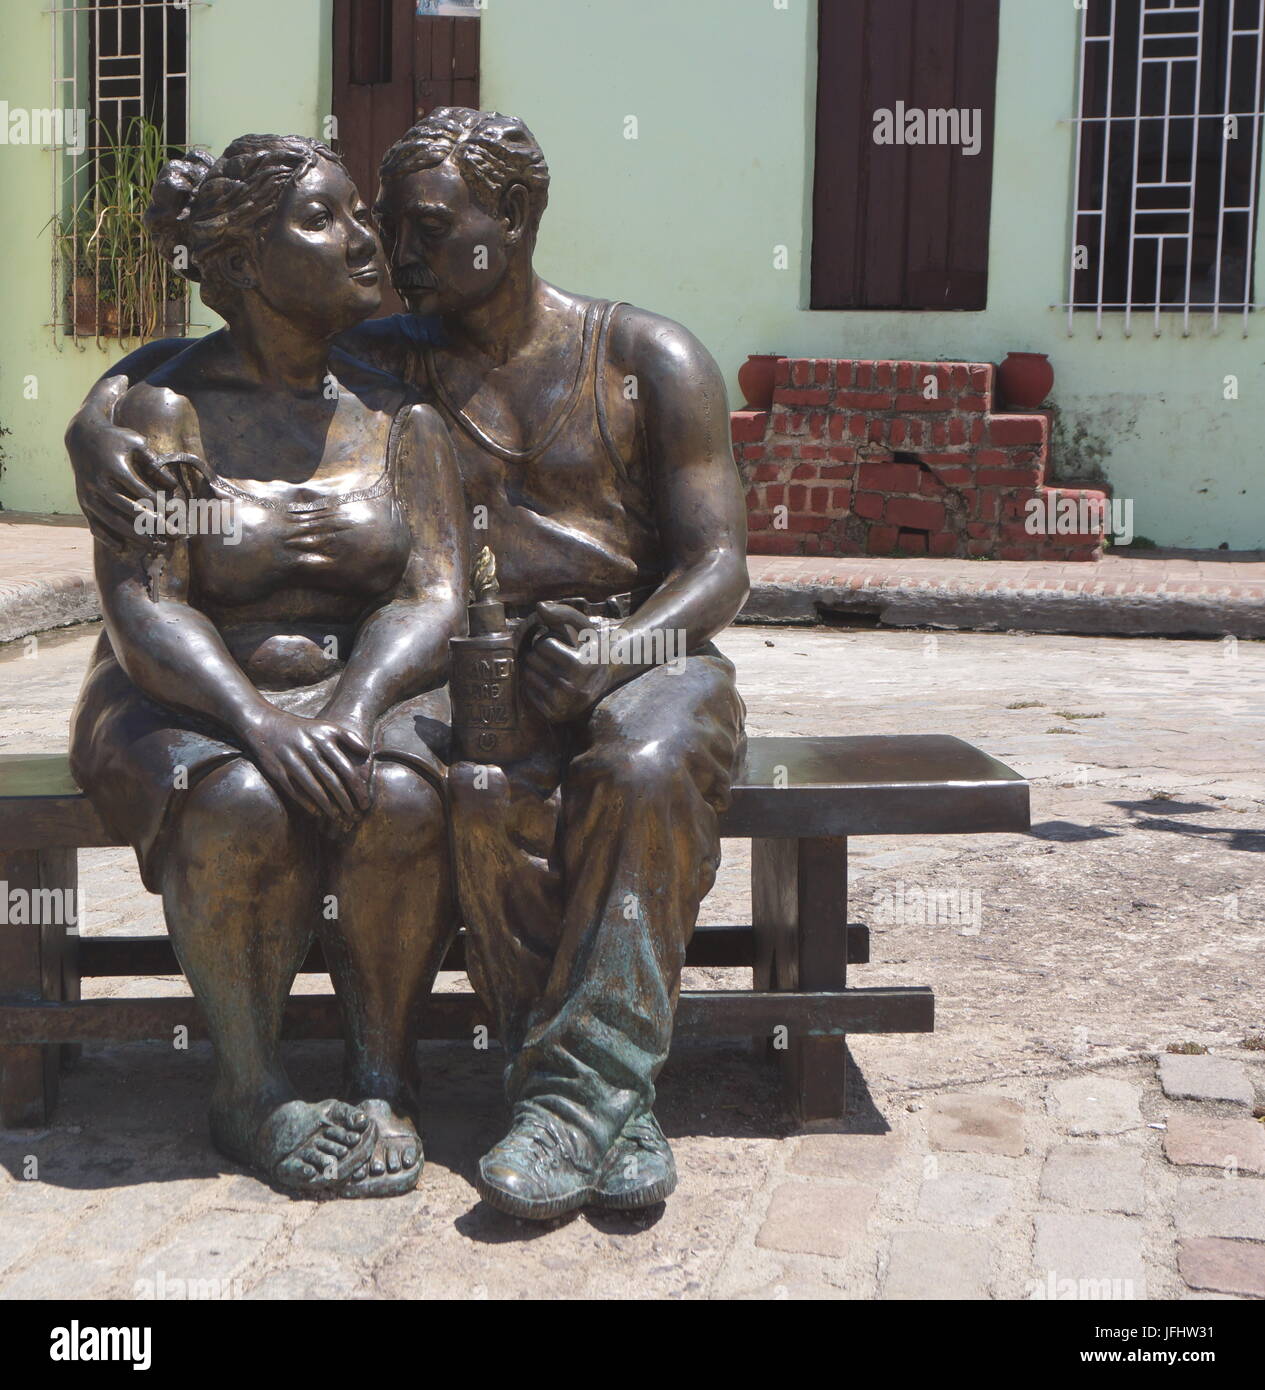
(309, 1163)
(374, 1178)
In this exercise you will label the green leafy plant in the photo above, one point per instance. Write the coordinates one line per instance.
(118, 285)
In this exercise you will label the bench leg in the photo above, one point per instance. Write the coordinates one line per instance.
(37, 962)
(799, 901)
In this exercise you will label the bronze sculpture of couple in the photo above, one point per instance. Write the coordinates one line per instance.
(268, 722)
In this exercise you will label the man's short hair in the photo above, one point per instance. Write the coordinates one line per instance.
(491, 151)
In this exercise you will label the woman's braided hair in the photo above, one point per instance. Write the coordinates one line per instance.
(213, 207)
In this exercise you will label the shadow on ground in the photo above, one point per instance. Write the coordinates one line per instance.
(136, 1113)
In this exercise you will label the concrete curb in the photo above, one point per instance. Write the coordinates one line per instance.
(1028, 608)
(38, 605)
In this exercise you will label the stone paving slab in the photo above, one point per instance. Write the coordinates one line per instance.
(1226, 1266)
(1097, 1253)
(1095, 1177)
(1229, 1207)
(978, 1124)
(1205, 1078)
(965, 1199)
(1096, 1105)
(1208, 1142)
(817, 1219)
(934, 1264)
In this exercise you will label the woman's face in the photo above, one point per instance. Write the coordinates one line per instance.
(321, 263)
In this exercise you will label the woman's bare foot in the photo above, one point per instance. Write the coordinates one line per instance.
(310, 1148)
(396, 1163)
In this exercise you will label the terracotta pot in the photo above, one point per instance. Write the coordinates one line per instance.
(1025, 379)
(756, 377)
(83, 304)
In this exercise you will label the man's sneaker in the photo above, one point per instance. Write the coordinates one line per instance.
(534, 1172)
(639, 1171)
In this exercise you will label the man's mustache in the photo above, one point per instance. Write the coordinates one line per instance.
(416, 278)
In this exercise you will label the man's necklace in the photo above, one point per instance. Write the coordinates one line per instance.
(479, 434)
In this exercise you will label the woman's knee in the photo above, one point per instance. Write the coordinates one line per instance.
(407, 814)
(234, 809)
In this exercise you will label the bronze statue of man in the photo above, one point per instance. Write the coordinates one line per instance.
(593, 442)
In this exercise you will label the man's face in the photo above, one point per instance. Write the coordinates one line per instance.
(445, 253)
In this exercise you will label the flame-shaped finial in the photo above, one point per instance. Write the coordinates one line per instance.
(484, 585)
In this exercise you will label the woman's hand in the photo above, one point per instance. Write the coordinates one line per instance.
(321, 766)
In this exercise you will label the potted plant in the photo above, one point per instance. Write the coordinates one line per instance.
(118, 283)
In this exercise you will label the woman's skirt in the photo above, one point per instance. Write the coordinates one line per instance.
(137, 760)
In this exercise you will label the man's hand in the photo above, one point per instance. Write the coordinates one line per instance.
(115, 469)
(560, 679)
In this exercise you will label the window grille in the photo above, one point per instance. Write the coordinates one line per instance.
(1167, 169)
(120, 72)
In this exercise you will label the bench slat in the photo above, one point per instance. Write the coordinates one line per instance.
(711, 945)
(701, 1013)
(787, 788)
(873, 784)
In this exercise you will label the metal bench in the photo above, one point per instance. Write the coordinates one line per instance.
(797, 799)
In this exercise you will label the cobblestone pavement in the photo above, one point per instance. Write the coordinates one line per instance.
(1041, 1143)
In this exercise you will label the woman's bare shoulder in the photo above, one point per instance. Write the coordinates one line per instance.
(161, 405)
(162, 414)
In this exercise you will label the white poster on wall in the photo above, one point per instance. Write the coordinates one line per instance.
(451, 9)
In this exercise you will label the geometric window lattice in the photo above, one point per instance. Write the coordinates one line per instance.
(121, 84)
(1168, 151)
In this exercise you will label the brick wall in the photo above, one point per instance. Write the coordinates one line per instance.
(863, 458)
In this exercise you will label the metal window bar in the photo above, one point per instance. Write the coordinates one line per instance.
(1166, 44)
(113, 60)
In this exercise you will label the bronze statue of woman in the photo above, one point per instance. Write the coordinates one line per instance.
(265, 714)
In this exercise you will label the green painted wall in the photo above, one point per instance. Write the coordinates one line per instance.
(685, 219)
(256, 66)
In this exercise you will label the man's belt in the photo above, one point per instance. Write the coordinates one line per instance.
(616, 606)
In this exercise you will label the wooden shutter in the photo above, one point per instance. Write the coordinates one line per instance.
(373, 82)
(899, 226)
(391, 67)
(446, 63)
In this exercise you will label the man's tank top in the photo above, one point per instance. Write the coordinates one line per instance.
(567, 516)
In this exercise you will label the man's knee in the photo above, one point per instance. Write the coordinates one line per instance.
(633, 766)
